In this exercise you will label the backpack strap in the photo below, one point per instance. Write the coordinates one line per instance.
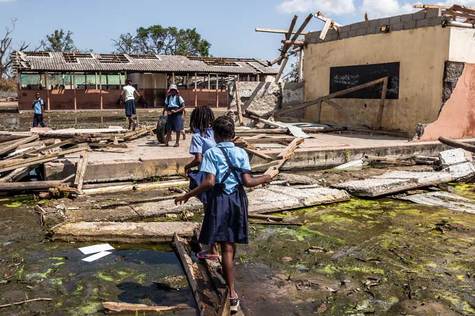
(231, 168)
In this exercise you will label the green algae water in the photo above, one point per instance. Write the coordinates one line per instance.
(361, 257)
(381, 257)
(32, 267)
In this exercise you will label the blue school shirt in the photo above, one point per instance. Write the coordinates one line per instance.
(214, 163)
(174, 102)
(38, 106)
(201, 143)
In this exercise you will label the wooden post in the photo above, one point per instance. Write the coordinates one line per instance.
(381, 103)
(75, 93)
(173, 78)
(100, 91)
(196, 89)
(248, 77)
(301, 58)
(217, 90)
(238, 101)
(47, 92)
(154, 90)
(209, 81)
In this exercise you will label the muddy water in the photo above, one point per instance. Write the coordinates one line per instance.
(32, 267)
(364, 257)
(380, 257)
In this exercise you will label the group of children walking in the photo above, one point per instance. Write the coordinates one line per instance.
(223, 172)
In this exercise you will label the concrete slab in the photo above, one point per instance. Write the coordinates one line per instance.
(394, 182)
(442, 199)
(146, 159)
(123, 232)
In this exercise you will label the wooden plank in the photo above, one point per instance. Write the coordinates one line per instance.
(326, 28)
(6, 166)
(457, 144)
(17, 174)
(276, 31)
(381, 103)
(28, 186)
(238, 102)
(127, 232)
(289, 151)
(136, 187)
(334, 95)
(195, 277)
(81, 170)
(119, 307)
(11, 147)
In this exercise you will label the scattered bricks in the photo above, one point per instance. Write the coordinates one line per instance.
(409, 25)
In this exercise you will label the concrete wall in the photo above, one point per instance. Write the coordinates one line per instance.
(292, 93)
(421, 52)
(462, 45)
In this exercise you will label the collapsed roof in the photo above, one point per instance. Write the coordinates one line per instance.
(93, 62)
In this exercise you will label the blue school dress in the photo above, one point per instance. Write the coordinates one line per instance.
(200, 143)
(226, 210)
(174, 121)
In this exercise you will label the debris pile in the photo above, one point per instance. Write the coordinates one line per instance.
(23, 155)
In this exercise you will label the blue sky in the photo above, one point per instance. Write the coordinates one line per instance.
(228, 25)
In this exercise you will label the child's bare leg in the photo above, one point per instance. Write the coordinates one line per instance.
(169, 137)
(177, 143)
(227, 253)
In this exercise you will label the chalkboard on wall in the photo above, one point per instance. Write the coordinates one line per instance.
(342, 78)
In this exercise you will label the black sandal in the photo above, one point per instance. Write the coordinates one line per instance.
(234, 305)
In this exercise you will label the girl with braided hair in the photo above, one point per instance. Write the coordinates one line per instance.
(227, 171)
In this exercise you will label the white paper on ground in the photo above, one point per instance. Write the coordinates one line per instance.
(97, 256)
(95, 249)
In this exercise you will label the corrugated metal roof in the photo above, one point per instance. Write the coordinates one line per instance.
(56, 62)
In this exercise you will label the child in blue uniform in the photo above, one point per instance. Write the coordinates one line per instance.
(174, 107)
(225, 222)
(202, 139)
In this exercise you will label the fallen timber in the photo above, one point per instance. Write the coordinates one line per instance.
(119, 307)
(266, 200)
(129, 232)
(198, 281)
(394, 182)
(457, 144)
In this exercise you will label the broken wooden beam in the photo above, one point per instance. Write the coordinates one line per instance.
(276, 31)
(81, 170)
(203, 291)
(457, 144)
(11, 147)
(289, 151)
(22, 163)
(137, 187)
(123, 232)
(28, 186)
(120, 307)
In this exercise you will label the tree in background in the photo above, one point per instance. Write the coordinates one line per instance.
(6, 48)
(163, 41)
(59, 41)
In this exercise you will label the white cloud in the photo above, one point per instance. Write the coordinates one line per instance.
(382, 8)
(337, 7)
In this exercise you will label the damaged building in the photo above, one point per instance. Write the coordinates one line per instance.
(90, 81)
(421, 67)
